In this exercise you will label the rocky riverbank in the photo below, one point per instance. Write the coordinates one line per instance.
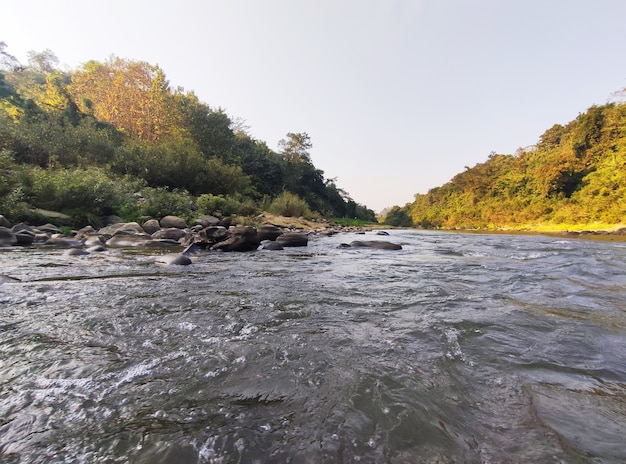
(207, 233)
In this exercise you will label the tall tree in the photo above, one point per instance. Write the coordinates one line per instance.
(134, 96)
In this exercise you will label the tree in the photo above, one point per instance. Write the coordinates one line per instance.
(134, 96)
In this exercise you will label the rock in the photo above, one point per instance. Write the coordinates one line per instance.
(179, 259)
(75, 252)
(25, 237)
(96, 249)
(49, 229)
(123, 240)
(85, 231)
(293, 239)
(207, 221)
(227, 222)
(64, 242)
(57, 217)
(123, 228)
(113, 219)
(270, 245)
(192, 249)
(170, 233)
(212, 235)
(382, 232)
(7, 237)
(381, 245)
(93, 240)
(241, 239)
(4, 222)
(269, 232)
(151, 226)
(173, 221)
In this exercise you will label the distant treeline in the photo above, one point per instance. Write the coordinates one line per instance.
(576, 174)
(114, 138)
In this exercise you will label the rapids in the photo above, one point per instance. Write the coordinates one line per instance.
(458, 348)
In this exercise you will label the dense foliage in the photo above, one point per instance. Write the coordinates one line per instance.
(576, 174)
(113, 138)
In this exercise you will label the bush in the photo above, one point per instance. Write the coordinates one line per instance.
(225, 205)
(84, 194)
(159, 202)
(290, 205)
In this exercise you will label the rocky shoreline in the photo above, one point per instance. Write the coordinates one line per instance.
(207, 233)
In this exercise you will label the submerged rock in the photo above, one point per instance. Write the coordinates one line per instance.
(379, 244)
(178, 259)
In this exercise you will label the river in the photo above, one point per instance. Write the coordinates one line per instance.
(459, 348)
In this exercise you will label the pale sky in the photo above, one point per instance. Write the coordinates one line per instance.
(397, 96)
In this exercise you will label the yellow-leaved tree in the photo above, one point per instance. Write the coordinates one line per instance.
(134, 96)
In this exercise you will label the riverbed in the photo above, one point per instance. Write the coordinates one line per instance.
(459, 348)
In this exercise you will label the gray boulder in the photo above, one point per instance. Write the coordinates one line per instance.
(7, 237)
(151, 226)
(379, 244)
(269, 232)
(25, 237)
(241, 239)
(271, 245)
(293, 239)
(171, 233)
(173, 221)
(207, 221)
(212, 235)
(123, 228)
(4, 222)
(179, 259)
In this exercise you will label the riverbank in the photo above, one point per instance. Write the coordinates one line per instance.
(597, 231)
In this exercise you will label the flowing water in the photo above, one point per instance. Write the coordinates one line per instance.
(460, 348)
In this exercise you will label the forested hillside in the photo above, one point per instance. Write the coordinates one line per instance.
(575, 175)
(113, 137)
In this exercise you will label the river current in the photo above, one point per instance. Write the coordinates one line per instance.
(459, 348)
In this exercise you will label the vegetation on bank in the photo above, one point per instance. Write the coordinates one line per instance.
(575, 177)
(113, 138)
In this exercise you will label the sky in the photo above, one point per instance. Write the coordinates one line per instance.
(397, 96)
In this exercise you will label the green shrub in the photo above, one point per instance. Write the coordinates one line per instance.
(158, 202)
(289, 204)
(85, 194)
(225, 205)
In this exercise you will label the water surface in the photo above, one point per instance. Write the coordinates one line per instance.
(458, 348)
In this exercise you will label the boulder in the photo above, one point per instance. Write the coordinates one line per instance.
(293, 239)
(271, 245)
(173, 221)
(151, 226)
(124, 240)
(171, 233)
(207, 221)
(269, 232)
(123, 228)
(241, 239)
(25, 237)
(49, 228)
(64, 242)
(85, 231)
(379, 244)
(212, 235)
(7, 237)
(179, 259)
(113, 219)
(4, 222)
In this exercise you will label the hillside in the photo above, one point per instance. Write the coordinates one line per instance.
(113, 138)
(574, 177)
